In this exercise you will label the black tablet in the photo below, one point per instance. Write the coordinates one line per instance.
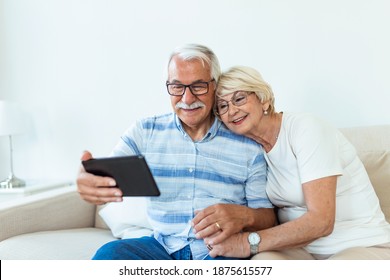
(131, 173)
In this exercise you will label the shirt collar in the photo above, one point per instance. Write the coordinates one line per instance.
(208, 136)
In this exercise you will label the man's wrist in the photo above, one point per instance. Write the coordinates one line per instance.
(250, 218)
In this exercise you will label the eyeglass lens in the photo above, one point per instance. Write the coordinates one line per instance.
(239, 98)
(197, 88)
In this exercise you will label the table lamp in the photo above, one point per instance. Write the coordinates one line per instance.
(12, 121)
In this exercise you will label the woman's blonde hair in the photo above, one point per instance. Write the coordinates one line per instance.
(246, 79)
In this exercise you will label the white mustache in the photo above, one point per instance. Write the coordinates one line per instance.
(195, 105)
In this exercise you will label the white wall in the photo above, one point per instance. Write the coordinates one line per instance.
(86, 69)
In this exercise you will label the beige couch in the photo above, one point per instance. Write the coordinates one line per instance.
(59, 225)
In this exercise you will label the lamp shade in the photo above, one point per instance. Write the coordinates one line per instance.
(12, 118)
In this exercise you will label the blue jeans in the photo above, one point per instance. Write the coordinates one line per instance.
(144, 248)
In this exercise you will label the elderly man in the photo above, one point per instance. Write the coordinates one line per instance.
(198, 164)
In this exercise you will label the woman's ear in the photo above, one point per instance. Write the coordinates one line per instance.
(265, 106)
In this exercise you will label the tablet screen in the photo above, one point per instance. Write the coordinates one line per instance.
(131, 173)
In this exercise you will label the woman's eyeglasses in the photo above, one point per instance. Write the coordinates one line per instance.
(239, 98)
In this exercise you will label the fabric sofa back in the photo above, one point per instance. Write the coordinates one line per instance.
(373, 146)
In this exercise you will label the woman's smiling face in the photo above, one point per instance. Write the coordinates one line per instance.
(243, 118)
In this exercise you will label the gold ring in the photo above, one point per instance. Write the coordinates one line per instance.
(218, 226)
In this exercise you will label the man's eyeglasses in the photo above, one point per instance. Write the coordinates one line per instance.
(197, 88)
(239, 98)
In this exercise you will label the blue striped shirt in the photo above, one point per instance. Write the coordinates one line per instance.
(223, 167)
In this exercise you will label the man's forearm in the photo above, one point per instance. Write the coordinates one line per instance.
(260, 218)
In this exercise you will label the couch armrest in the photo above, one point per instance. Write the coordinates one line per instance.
(53, 210)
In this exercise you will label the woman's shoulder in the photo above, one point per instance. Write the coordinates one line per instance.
(303, 124)
(296, 120)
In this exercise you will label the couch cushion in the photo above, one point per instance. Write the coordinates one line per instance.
(99, 222)
(47, 211)
(373, 147)
(74, 244)
(377, 164)
(369, 138)
(127, 219)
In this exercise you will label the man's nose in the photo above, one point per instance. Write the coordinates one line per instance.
(188, 97)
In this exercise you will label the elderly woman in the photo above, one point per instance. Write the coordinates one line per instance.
(327, 207)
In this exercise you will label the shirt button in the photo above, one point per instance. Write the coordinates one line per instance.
(190, 170)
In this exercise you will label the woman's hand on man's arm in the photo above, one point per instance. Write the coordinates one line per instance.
(218, 222)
